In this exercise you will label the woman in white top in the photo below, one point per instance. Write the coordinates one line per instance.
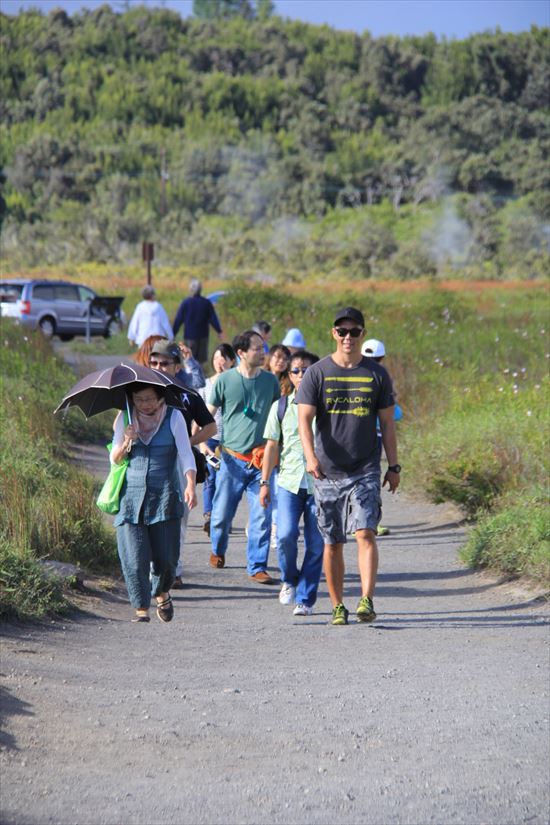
(151, 500)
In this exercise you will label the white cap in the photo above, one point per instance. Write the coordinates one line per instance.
(373, 348)
(294, 338)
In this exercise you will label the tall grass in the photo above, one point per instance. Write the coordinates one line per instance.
(48, 508)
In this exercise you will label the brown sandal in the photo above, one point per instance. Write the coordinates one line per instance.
(165, 610)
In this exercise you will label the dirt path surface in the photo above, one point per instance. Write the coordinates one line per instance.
(239, 712)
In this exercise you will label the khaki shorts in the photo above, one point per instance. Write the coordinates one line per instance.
(345, 505)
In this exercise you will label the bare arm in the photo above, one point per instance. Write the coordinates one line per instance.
(306, 415)
(201, 434)
(389, 440)
(270, 461)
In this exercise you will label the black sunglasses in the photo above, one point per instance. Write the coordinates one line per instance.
(354, 332)
(298, 370)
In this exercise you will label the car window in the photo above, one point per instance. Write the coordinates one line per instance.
(9, 293)
(86, 294)
(43, 292)
(66, 292)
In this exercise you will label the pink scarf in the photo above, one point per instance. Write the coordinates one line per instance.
(147, 426)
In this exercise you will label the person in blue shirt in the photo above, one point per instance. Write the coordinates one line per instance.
(197, 314)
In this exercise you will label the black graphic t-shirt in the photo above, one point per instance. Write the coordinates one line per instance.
(347, 403)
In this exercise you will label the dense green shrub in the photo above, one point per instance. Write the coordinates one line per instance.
(122, 127)
(514, 540)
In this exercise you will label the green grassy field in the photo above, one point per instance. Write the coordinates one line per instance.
(470, 367)
(48, 509)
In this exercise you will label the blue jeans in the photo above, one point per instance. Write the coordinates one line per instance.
(148, 550)
(209, 486)
(291, 506)
(234, 477)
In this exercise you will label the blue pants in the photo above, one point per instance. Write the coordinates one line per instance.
(291, 506)
(209, 486)
(146, 549)
(234, 477)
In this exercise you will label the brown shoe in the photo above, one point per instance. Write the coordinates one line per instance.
(217, 561)
(262, 578)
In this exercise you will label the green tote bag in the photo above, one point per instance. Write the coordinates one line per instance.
(108, 499)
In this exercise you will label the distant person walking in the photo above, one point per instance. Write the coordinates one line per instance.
(244, 395)
(197, 314)
(263, 328)
(344, 393)
(295, 497)
(149, 318)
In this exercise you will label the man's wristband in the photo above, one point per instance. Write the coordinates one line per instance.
(395, 468)
(264, 483)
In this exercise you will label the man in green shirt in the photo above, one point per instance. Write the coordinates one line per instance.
(294, 497)
(244, 395)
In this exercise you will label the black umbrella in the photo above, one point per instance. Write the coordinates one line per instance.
(109, 389)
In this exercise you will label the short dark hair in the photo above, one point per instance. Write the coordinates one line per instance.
(263, 327)
(138, 386)
(242, 341)
(226, 350)
(279, 348)
(304, 355)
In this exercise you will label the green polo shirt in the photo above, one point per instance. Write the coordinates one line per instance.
(292, 463)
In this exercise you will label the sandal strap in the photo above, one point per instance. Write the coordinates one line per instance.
(166, 603)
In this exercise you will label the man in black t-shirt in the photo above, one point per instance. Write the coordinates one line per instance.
(166, 357)
(345, 393)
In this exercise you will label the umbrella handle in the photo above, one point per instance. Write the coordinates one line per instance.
(129, 420)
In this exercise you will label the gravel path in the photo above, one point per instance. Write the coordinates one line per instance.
(239, 712)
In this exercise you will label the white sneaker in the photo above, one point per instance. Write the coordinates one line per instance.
(287, 594)
(302, 610)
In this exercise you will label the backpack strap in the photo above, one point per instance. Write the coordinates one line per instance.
(281, 410)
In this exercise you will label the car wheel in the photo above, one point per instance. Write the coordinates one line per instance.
(47, 327)
(112, 328)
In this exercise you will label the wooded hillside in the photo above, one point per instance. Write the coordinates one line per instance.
(272, 146)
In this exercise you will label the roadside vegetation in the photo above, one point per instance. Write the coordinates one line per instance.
(48, 509)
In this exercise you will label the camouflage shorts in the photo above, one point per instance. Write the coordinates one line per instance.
(345, 505)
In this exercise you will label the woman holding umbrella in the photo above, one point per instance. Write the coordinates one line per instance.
(151, 504)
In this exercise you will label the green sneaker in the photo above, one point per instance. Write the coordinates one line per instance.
(382, 531)
(365, 610)
(340, 615)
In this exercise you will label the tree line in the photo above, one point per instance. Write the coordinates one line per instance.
(116, 126)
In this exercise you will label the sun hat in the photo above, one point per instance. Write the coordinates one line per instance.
(373, 348)
(350, 314)
(167, 348)
(294, 338)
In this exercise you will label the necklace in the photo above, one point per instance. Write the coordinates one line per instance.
(249, 400)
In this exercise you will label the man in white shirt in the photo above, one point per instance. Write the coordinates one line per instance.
(149, 318)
